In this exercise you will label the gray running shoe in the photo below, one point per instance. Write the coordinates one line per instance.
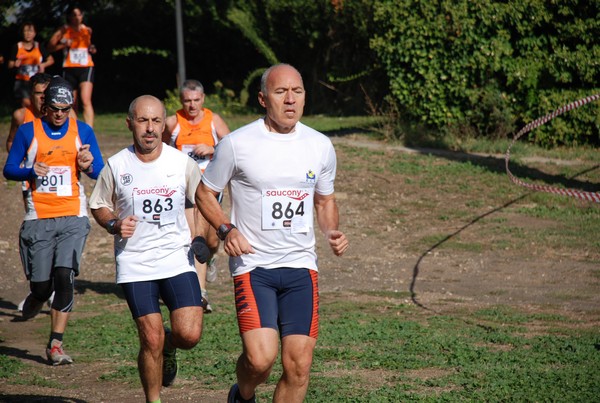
(56, 355)
(211, 270)
(31, 307)
(169, 363)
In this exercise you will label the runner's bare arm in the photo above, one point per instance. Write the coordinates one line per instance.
(56, 43)
(170, 124)
(235, 244)
(220, 126)
(16, 121)
(125, 227)
(328, 219)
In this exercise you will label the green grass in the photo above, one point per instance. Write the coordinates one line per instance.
(374, 346)
(482, 185)
(112, 124)
(375, 351)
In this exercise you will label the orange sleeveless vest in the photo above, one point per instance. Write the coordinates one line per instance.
(56, 153)
(200, 133)
(77, 55)
(29, 115)
(30, 61)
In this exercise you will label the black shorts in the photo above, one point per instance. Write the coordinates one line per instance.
(77, 75)
(176, 292)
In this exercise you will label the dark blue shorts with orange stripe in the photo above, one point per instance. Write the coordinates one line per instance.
(285, 299)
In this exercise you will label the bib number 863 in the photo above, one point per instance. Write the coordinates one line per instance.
(148, 207)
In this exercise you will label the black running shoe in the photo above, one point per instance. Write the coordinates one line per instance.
(169, 363)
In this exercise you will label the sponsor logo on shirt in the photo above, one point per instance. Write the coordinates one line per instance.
(126, 179)
(295, 194)
(163, 191)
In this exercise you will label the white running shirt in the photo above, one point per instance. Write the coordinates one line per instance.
(155, 192)
(272, 181)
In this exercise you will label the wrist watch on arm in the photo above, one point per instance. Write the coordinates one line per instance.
(111, 226)
(223, 230)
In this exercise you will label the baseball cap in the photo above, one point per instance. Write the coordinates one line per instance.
(58, 91)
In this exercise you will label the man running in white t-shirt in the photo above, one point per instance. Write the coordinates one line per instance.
(140, 199)
(278, 171)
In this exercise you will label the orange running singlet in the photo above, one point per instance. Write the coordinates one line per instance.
(200, 133)
(29, 115)
(56, 194)
(77, 55)
(30, 61)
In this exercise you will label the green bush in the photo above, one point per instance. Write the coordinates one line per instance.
(488, 67)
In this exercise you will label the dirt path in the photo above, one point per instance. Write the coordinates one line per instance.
(534, 277)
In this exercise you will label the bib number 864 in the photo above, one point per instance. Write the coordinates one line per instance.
(278, 211)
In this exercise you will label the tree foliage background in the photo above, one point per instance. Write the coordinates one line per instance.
(460, 67)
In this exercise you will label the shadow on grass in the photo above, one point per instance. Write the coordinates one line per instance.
(38, 398)
(347, 131)
(103, 288)
(416, 268)
(23, 355)
(498, 165)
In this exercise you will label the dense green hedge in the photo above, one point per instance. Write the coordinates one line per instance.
(489, 67)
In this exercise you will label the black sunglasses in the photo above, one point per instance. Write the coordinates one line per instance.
(57, 109)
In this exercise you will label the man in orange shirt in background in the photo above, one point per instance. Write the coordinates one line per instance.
(196, 130)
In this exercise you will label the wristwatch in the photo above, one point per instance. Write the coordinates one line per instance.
(111, 226)
(223, 230)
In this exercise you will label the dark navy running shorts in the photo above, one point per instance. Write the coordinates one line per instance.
(285, 299)
(176, 292)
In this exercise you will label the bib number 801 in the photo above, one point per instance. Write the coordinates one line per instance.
(289, 212)
(148, 207)
(52, 180)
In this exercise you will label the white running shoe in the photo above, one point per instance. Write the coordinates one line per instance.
(207, 307)
(211, 270)
(49, 302)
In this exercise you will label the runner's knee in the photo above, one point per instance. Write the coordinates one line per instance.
(186, 338)
(64, 287)
(41, 290)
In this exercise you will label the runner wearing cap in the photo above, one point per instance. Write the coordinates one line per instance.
(38, 84)
(56, 224)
